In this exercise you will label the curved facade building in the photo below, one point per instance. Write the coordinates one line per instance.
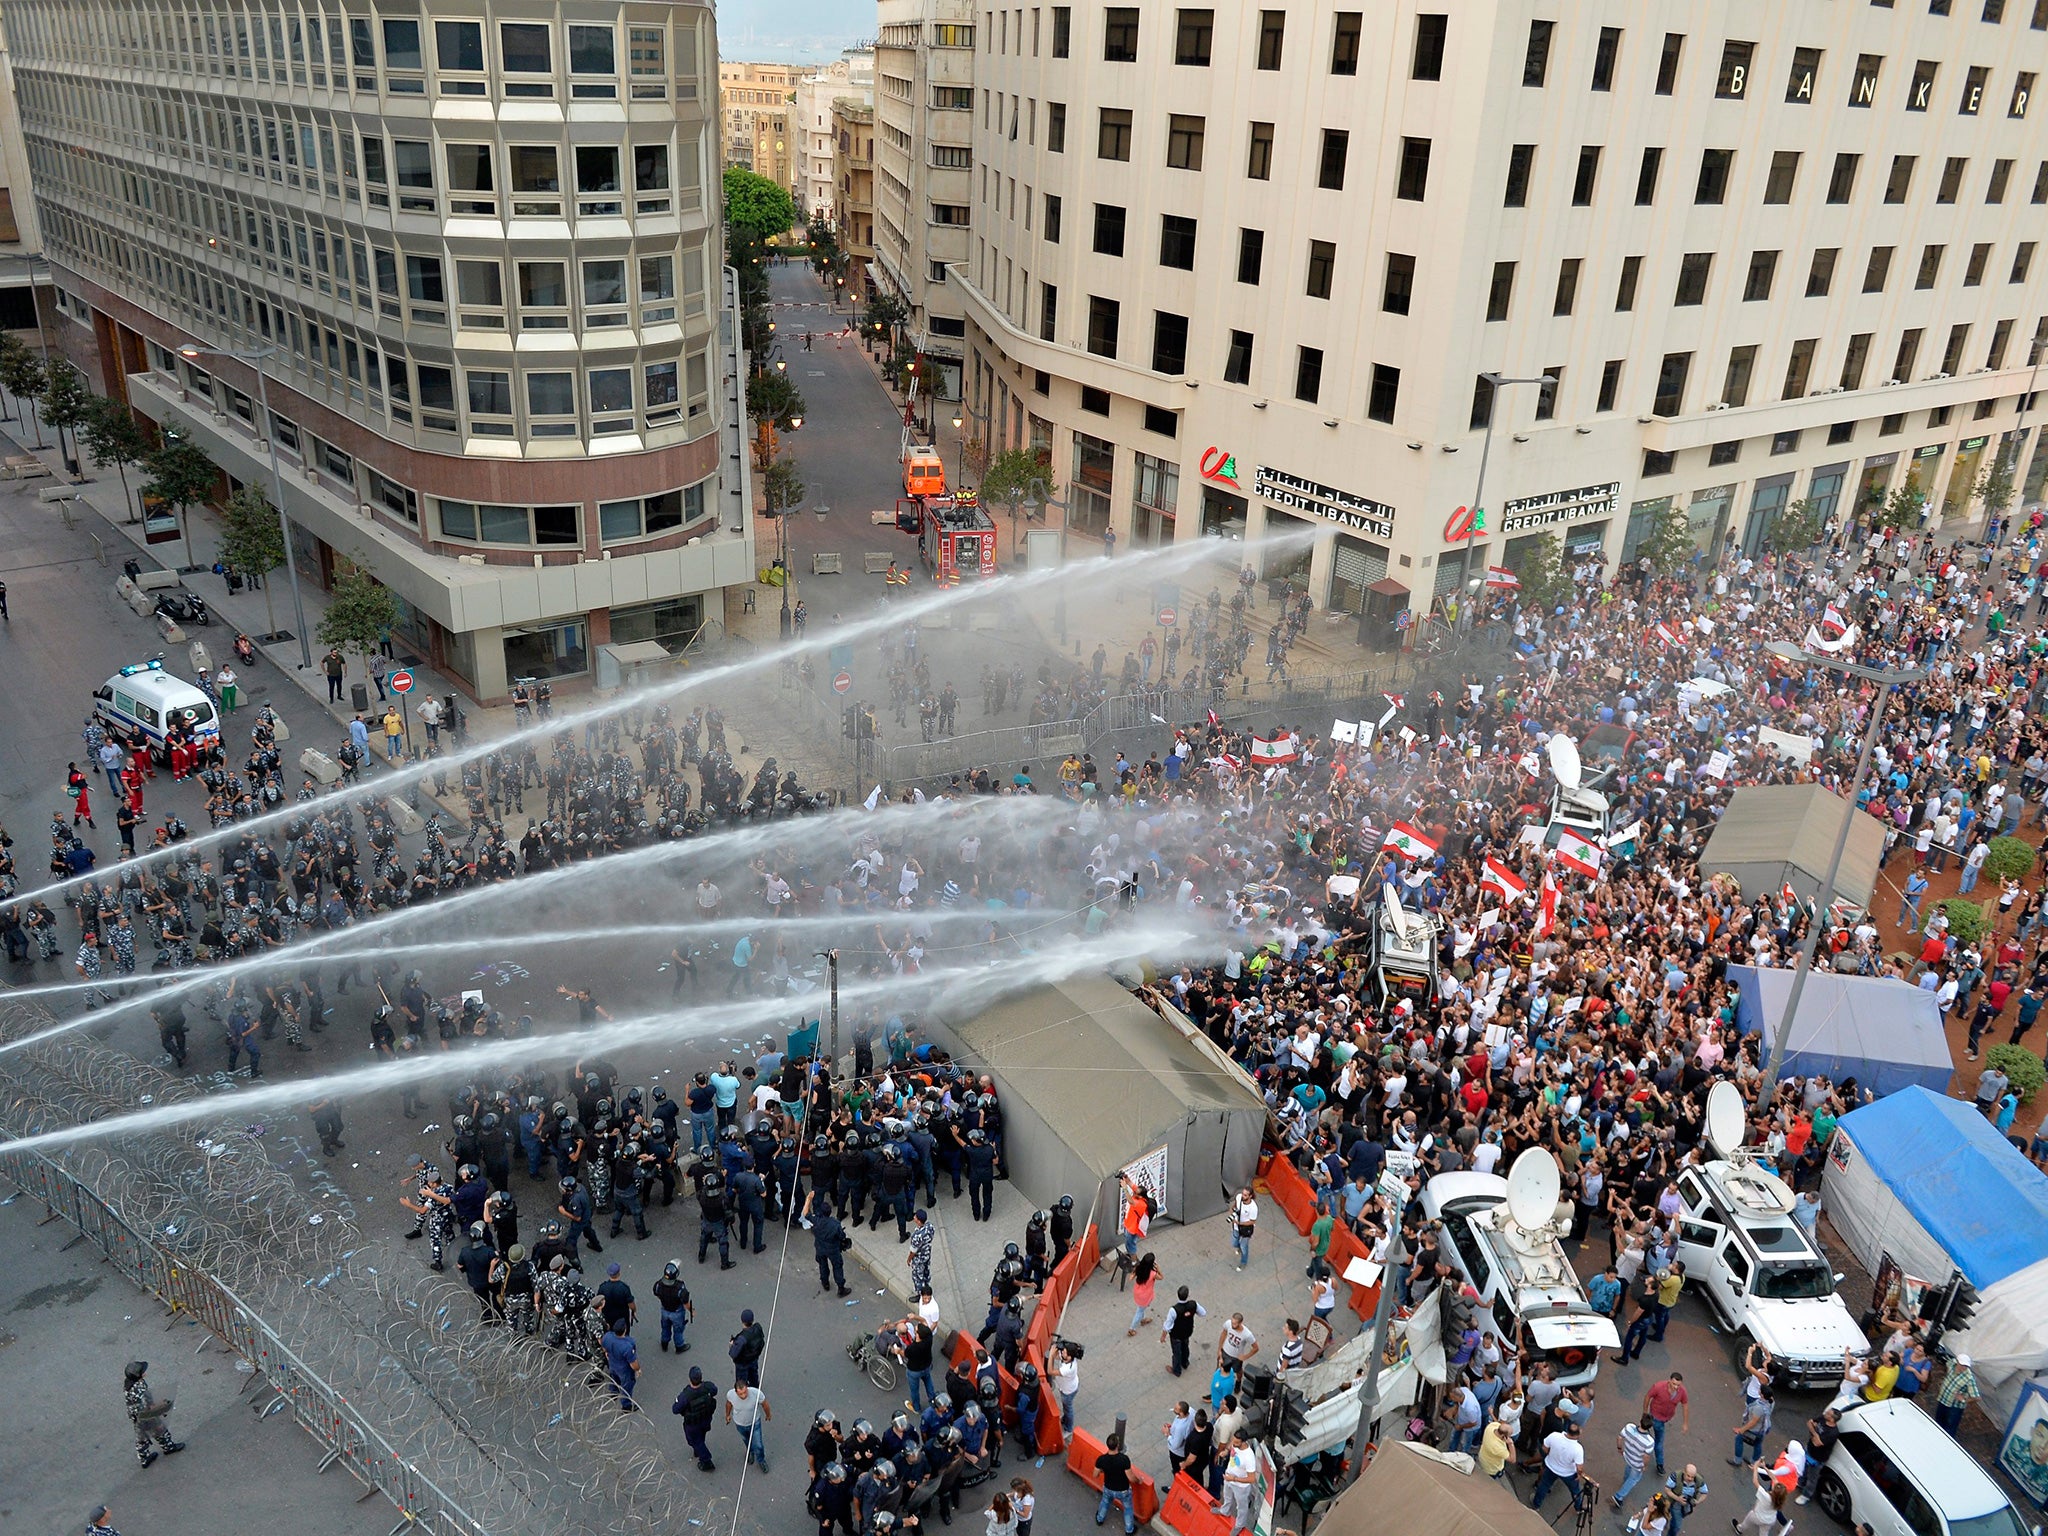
(477, 250)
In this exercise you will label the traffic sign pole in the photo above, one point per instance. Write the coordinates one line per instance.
(400, 683)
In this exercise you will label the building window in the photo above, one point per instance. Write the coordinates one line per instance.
(1521, 160)
(551, 404)
(1784, 172)
(1482, 403)
(459, 48)
(1879, 269)
(1587, 175)
(559, 648)
(1973, 91)
(1900, 182)
(1605, 53)
(1169, 342)
(1820, 276)
(1724, 453)
(1735, 386)
(1799, 368)
(1166, 423)
(1109, 230)
(1430, 31)
(1646, 176)
(597, 181)
(1863, 86)
(1923, 85)
(1712, 186)
(1184, 142)
(1799, 84)
(1308, 374)
(1398, 291)
(1322, 268)
(488, 523)
(1120, 35)
(1385, 393)
(1413, 181)
(1567, 287)
(1667, 62)
(1056, 127)
(1258, 164)
(1671, 374)
(536, 181)
(1980, 256)
(1177, 242)
(1547, 393)
(1952, 354)
(1842, 181)
(2001, 337)
(1610, 384)
(1657, 462)
(1344, 40)
(1501, 291)
(611, 399)
(1113, 138)
(1237, 363)
(1062, 31)
(1251, 253)
(1625, 290)
(1272, 38)
(1854, 359)
(400, 501)
(1194, 33)
(1536, 57)
(1330, 170)
(2001, 174)
(1693, 269)
(1763, 266)
(1103, 317)
(1733, 81)
(2022, 259)
(1048, 311)
(1951, 178)
(490, 395)
(1094, 401)
(524, 48)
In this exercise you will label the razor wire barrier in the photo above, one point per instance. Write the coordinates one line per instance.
(467, 1430)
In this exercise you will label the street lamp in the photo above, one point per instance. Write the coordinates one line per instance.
(1497, 384)
(1886, 680)
(254, 357)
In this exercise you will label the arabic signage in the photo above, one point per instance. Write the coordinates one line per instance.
(1529, 512)
(1293, 493)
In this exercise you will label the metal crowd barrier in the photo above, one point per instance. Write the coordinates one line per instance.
(344, 1435)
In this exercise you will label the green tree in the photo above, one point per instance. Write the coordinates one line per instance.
(1797, 528)
(1902, 508)
(11, 348)
(772, 397)
(1995, 486)
(782, 486)
(1965, 919)
(2008, 858)
(1545, 581)
(67, 403)
(1669, 547)
(360, 613)
(757, 205)
(113, 436)
(252, 540)
(180, 473)
(2022, 1068)
(22, 375)
(1013, 474)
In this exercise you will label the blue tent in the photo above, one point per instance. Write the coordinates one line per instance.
(1882, 1032)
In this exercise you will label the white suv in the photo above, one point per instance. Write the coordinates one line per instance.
(1897, 1469)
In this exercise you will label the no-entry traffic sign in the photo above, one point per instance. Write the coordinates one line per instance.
(842, 681)
(1168, 617)
(400, 681)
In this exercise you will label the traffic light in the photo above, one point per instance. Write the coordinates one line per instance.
(846, 722)
(1933, 1301)
(1962, 1304)
(1290, 1415)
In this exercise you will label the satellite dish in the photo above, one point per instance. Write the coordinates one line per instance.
(1761, 1191)
(1725, 1119)
(1533, 1188)
(1564, 760)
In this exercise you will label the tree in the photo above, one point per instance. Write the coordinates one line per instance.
(1995, 486)
(1545, 581)
(113, 436)
(2022, 1068)
(360, 613)
(11, 348)
(1669, 547)
(67, 402)
(22, 374)
(757, 205)
(180, 473)
(1797, 528)
(1013, 474)
(783, 487)
(252, 540)
(1965, 919)
(2008, 858)
(1902, 508)
(772, 397)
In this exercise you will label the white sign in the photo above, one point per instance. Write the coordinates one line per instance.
(1528, 512)
(1717, 766)
(1296, 493)
(1149, 1172)
(1786, 744)
(1344, 730)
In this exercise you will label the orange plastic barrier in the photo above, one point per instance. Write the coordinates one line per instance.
(1291, 1193)
(1081, 1453)
(1343, 1249)
(1048, 1400)
(1187, 1509)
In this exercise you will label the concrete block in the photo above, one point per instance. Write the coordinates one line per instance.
(324, 769)
(143, 604)
(57, 493)
(168, 628)
(157, 581)
(404, 817)
(125, 590)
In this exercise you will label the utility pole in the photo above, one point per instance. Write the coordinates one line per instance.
(1382, 1321)
(831, 959)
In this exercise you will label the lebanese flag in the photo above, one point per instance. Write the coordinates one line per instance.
(1498, 877)
(1546, 905)
(1576, 854)
(1833, 621)
(1213, 721)
(1270, 754)
(1503, 579)
(1661, 634)
(1408, 842)
(1815, 641)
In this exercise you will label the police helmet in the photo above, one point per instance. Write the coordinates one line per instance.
(951, 1434)
(476, 1229)
(884, 1521)
(466, 1171)
(1027, 1374)
(835, 1470)
(604, 1107)
(885, 1469)
(972, 1412)
(1037, 1219)
(463, 1122)
(1011, 1251)
(902, 1423)
(821, 1144)
(888, 1154)
(568, 1185)
(873, 1138)
(632, 1149)
(533, 1101)
(975, 1138)
(489, 1123)
(669, 1270)
(552, 1229)
(825, 1418)
(1065, 1202)
(632, 1095)
(730, 1133)
(559, 1110)
(660, 1095)
(592, 1080)
(714, 1182)
(863, 1427)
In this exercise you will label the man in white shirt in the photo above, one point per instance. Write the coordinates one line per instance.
(1563, 1455)
(1067, 1379)
(1244, 1215)
(1237, 1343)
(1238, 1474)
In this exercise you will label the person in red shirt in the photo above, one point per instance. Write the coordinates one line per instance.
(1797, 1135)
(1933, 950)
(1473, 1093)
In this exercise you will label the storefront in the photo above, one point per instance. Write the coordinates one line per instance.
(671, 623)
(1643, 517)
(1707, 518)
(1962, 479)
(1767, 504)
(1355, 565)
(1154, 501)
(558, 649)
(1922, 477)
(1093, 484)
(1875, 483)
(2037, 472)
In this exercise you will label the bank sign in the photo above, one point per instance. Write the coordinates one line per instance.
(1531, 512)
(1295, 493)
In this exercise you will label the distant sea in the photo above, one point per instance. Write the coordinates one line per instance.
(792, 31)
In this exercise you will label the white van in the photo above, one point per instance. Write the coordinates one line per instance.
(1900, 1471)
(144, 697)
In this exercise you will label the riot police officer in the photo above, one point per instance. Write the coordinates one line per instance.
(981, 1175)
(629, 1174)
(750, 1204)
(892, 1191)
(677, 1310)
(1062, 1228)
(714, 1212)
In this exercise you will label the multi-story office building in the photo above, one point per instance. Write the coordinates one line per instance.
(853, 135)
(924, 170)
(812, 142)
(478, 262)
(24, 277)
(1242, 270)
(753, 103)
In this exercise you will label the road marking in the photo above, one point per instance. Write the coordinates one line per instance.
(815, 373)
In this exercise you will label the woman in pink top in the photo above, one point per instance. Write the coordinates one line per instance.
(1144, 1281)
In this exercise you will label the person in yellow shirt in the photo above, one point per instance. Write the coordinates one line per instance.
(1496, 1450)
(394, 732)
(1883, 1379)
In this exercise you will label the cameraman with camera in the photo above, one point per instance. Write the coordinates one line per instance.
(1066, 1368)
